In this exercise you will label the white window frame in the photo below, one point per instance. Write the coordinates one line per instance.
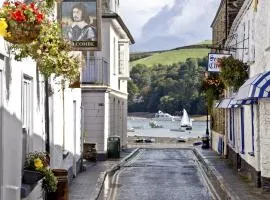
(114, 56)
(27, 109)
(121, 58)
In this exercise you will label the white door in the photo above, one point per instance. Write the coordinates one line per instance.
(74, 137)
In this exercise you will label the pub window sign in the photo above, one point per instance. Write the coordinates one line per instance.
(81, 23)
(213, 64)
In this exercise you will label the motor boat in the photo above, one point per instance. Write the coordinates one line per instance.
(161, 116)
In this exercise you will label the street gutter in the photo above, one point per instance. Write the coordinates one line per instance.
(103, 175)
(215, 176)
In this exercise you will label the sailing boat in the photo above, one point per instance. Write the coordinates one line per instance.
(186, 121)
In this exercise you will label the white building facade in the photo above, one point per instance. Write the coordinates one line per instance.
(247, 118)
(35, 116)
(104, 83)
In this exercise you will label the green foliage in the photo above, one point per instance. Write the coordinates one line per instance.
(132, 90)
(51, 52)
(38, 161)
(233, 72)
(171, 57)
(169, 88)
(137, 56)
(213, 87)
(49, 183)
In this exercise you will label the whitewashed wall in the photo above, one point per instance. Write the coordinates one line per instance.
(264, 106)
(65, 123)
(243, 37)
(94, 119)
(11, 124)
(112, 119)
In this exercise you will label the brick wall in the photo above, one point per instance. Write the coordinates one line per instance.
(223, 21)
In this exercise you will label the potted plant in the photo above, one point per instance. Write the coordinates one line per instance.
(36, 168)
(20, 22)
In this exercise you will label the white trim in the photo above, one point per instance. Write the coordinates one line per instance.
(1, 131)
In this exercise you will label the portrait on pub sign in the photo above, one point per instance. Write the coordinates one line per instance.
(81, 23)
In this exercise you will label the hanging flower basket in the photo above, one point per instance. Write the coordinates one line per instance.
(20, 23)
(23, 33)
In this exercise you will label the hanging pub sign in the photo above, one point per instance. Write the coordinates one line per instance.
(81, 23)
(213, 65)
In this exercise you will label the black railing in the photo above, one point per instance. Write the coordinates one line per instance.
(96, 71)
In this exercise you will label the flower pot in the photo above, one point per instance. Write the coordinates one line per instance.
(31, 177)
(22, 33)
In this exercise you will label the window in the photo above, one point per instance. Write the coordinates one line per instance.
(121, 58)
(233, 127)
(114, 56)
(27, 109)
(231, 138)
(252, 128)
(242, 131)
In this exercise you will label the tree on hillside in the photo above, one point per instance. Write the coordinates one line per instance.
(132, 90)
(170, 88)
(140, 74)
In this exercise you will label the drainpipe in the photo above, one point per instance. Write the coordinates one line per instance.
(226, 19)
(64, 123)
(258, 140)
(47, 122)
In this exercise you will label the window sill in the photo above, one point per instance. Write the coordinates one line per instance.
(251, 154)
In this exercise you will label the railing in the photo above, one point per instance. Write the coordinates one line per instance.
(96, 71)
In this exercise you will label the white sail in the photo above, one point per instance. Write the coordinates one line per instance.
(185, 119)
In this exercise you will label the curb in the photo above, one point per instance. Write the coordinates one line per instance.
(102, 176)
(211, 170)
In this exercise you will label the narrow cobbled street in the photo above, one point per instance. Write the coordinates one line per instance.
(158, 174)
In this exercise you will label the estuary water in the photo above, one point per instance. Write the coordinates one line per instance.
(141, 127)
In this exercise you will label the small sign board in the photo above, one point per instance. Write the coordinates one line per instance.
(213, 65)
(81, 23)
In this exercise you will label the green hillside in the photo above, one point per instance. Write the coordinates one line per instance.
(175, 55)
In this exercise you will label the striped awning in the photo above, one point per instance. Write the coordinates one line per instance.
(224, 103)
(255, 87)
(217, 103)
(246, 102)
(233, 104)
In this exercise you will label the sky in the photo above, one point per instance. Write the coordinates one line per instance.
(167, 24)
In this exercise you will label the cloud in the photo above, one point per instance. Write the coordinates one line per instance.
(137, 12)
(164, 24)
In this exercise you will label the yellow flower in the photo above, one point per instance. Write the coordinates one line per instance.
(3, 27)
(38, 163)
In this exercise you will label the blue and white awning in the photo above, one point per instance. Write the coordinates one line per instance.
(245, 102)
(233, 104)
(255, 87)
(224, 103)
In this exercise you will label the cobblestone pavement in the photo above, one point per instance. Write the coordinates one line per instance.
(234, 186)
(86, 185)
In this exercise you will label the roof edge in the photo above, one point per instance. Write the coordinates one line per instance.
(121, 22)
(219, 8)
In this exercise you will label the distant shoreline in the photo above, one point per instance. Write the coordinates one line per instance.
(151, 115)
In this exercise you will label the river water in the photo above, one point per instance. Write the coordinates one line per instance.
(142, 128)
